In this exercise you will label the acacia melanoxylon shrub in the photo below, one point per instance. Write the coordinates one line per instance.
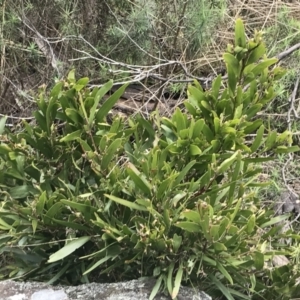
(173, 198)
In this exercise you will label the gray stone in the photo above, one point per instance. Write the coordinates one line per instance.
(131, 290)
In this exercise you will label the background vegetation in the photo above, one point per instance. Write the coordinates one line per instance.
(162, 45)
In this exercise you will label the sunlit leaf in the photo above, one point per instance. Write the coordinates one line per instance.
(68, 249)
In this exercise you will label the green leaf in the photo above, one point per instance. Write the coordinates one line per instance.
(14, 173)
(110, 153)
(192, 215)
(71, 136)
(19, 192)
(156, 287)
(59, 274)
(165, 186)
(234, 178)
(253, 110)
(177, 241)
(251, 224)
(232, 63)
(284, 149)
(258, 139)
(257, 53)
(4, 225)
(219, 247)
(85, 146)
(104, 89)
(51, 113)
(216, 86)
(147, 125)
(189, 226)
(41, 120)
(74, 115)
(224, 272)
(195, 150)
(41, 203)
(4, 149)
(56, 90)
(179, 120)
(126, 203)
(81, 83)
(170, 277)
(139, 180)
(109, 103)
(225, 165)
(2, 124)
(221, 287)
(177, 282)
(112, 251)
(183, 172)
(259, 260)
(275, 220)
(271, 140)
(198, 128)
(71, 76)
(263, 65)
(240, 36)
(195, 96)
(68, 249)
(87, 210)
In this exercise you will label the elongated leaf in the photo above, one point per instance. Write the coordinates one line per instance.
(221, 287)
(195, 95)
(58, 275)
(264, 64)
(225, 165)
(259, 260)
(232, 63)
(184, 172)
(74, 115)
(234, 178)
(126, 203)
(104, 89)
(2, 124)
(81, 83)
(240, 37)
(41, 120)
(19, 192)
(224, 272)
(71, 136)
(258, 139)
(110, 153)
(256, 53)
(177, 282)
(165, 186)
(192, 215)
(275, 220)
(195, 150)
(68, 249)
(156, 287)
(198, 128)
(170, 277)
(109, 103)
(139, 180)
(179, 119)
(189, 226)
(147, 125)
(41, 203)
(216, 86)
(4, 225)
(284, 149)
(271, 140)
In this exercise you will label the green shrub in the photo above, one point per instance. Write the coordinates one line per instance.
(173, 198)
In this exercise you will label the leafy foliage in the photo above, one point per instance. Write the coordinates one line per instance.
(174, 198)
